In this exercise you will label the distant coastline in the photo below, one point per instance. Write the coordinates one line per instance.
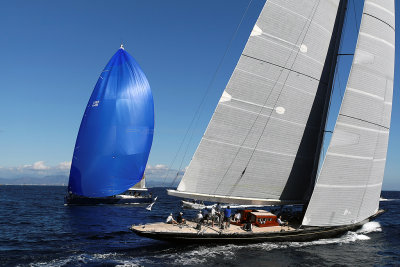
(62, 180)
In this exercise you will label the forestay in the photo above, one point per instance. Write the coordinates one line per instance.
(350, 181)
(116, 132)
(260, 144)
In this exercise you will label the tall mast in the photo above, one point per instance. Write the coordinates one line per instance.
(328, 73)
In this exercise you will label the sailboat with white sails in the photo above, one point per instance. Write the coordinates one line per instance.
(264, 141)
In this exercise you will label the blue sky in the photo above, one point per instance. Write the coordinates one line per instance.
(52, 53)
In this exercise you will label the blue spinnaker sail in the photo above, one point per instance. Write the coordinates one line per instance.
(116, 131)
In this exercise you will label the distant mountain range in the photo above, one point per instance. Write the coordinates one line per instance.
(63, 180)
(45, 180)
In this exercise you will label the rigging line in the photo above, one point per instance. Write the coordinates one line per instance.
(237, 152)
(364, 121)
(198, 110)
(187, 148)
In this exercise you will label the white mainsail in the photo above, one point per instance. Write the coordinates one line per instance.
(141, 185)
(260, 145)
(349, 185)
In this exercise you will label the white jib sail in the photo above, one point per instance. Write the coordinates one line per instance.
(349, 185)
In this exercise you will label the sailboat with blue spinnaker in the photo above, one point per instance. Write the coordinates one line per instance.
(115, 137)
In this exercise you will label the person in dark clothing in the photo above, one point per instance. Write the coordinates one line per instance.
(227, 217)
(180, 218)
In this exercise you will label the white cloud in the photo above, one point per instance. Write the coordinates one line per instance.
(39, 165)
(161, 175)
(65, 165)
(37, 169)
(156, 175)
(160, 166)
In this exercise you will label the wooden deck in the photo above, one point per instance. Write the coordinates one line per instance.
(190, 228)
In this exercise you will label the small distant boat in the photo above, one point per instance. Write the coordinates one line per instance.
(137, 194)
(264, 142)
(115, 137)
(199, 205)
(187, 204)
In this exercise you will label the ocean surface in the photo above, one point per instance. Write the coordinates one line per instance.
(36, 229)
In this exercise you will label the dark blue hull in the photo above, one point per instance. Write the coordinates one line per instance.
(81, 200)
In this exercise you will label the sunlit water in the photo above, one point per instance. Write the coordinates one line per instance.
(36, 229)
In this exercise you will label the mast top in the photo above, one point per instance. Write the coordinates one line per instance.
(122, 46)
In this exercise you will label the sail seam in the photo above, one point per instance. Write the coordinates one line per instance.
(364, 121)
(300, 90)
(361, 128)
(372, 16)
(269, 116)
(251, 148)
(348, 186)
(365, 93)
(288, 48)
(349, 156)
(380, 7)
(277, 65)
(311, 21)
(377, 38)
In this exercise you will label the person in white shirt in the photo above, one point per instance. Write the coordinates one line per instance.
(237, 217)
(212, 215)
(199, 217)
(279, 220)
(170, 219)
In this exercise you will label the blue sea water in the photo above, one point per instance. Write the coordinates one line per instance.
(36, 229)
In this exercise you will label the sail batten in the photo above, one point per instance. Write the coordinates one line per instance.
(349, 184)
(262, 138)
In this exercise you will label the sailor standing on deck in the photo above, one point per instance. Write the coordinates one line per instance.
(227, 218)
(206, 215)
(220, 219)
(212, 215)
(180, 218)
(199, 217)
